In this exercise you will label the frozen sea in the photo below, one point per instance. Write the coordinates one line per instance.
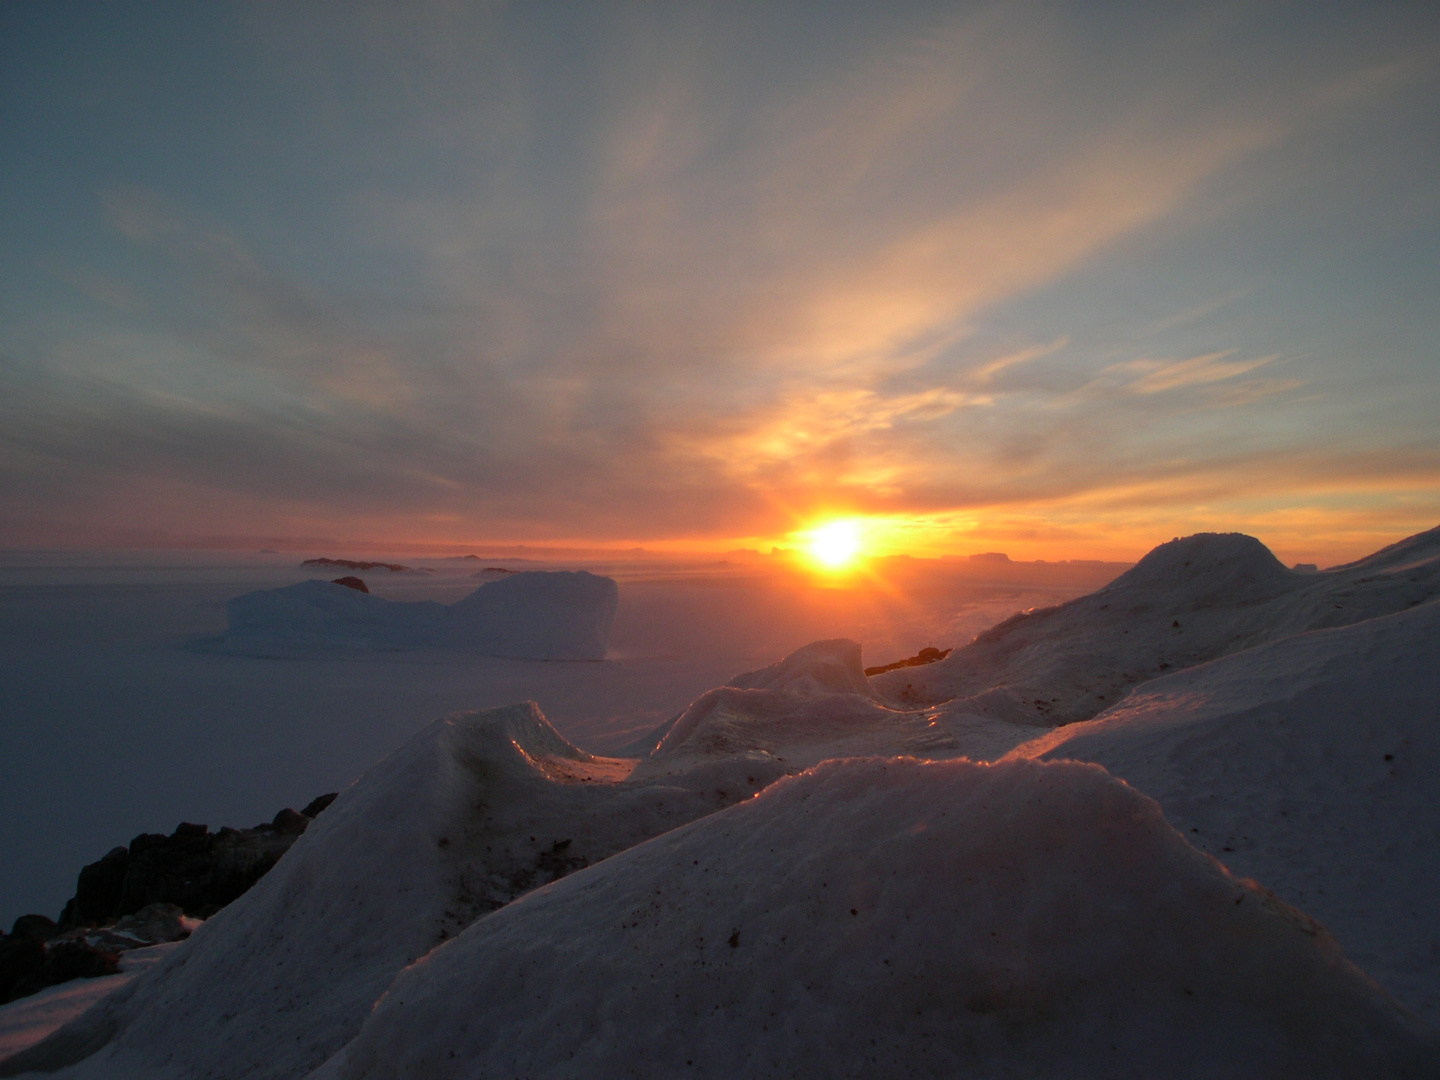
(114, 721)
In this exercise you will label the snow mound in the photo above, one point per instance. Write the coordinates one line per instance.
(814, 704)
(1308, 764)
(822, 667)
(892, 918)
(470, 813)
(539, 615)
(1227, 568)
(1188, 602)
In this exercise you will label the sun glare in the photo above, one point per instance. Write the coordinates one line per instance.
(835, 544)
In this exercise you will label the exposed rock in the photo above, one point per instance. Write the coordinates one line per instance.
(925, 656)
(97, 893)
(153, 924)
(66, 960)
(319, 803)
(27, 965)
(22, 960)
(34, 928)
(156, 890)
(197, 871)
(352, 564)
(351, 583)
(290, 822)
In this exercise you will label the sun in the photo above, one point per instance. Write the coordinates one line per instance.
(835, 544)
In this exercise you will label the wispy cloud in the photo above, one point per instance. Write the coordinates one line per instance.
(1158, 376)
(694, 273)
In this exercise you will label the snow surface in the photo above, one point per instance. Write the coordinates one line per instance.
(26, 1021)
(891, 918)
(1309, 764)
(281, 978)
(1040, 918)
(813, 705)
(472, 812)
(110, 726)
(535, 615)
(1187, 602)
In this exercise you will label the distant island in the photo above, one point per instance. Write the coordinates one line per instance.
(355, 564)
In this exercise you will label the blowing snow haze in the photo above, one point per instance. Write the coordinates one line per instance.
(1051, 279)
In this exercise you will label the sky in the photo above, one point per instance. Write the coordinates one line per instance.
(1062, 280)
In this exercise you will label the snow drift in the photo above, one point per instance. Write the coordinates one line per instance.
(1187, 602)
(470, 813)
(538, 615)
(814, 704)
(1309, 764)
(892, 918)
(869, 917)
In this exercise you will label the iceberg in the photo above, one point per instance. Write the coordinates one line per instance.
(536, 615)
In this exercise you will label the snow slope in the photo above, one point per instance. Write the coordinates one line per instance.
(1038, 919)
(888, 918)
(540, 615)
(1187, 602)
(470, 813)
(816, 704)
(813, 705)
(1309, 764)
(26, 1021)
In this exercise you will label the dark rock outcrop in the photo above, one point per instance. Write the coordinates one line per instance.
(352, 583)
(924, 656)
(194, 869)
(21, 962)
(28, 965)
(34, 928)
(97, 892)
(320, 802)
(142, 895)
(154, 924)
(66, 960)
(36, 954)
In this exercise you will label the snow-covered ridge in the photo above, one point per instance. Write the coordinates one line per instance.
(470, 813)
(1187, 602)
(893, 918)
(813, 705)
(540, 615)
(1309, 764)
(1029, 918)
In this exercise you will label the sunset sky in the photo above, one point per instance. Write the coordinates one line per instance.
(1058, 280)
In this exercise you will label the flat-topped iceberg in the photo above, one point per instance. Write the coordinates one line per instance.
(537, 615)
